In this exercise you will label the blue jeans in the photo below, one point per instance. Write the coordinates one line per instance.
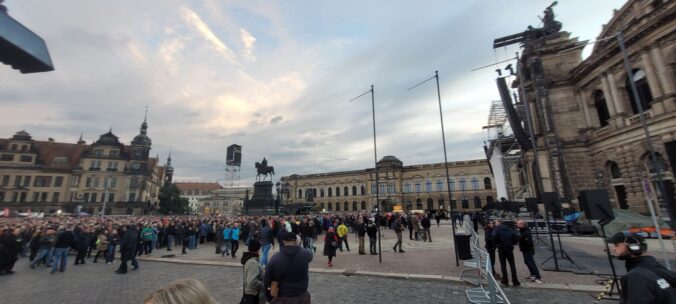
(226, 246)
(191, 242)
(60, 259)
(170, 241)
(529, 260)
(41, 254)
(110, 255)
(264, 257)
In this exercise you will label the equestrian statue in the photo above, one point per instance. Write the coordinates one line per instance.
(262, 168)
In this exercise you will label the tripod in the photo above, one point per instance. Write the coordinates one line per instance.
(564, 254)
(615, 281)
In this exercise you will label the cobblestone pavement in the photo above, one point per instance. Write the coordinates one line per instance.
(97, 283)
(436, 258)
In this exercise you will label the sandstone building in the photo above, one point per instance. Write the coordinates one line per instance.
(585, 119)
(414, 187)
(46, 176)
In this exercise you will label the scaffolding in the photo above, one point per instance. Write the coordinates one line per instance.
(501, 143)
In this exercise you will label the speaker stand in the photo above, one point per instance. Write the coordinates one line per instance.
(615, 284)
(564, 254)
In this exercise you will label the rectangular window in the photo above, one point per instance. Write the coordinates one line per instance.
(58, 181)
(112, 166)
(43, 196)
(42, 181)
(98, 152)
(112, 182)
(440, 186)
(428, 187)
(382, 188)
(55, 197)
(92, 198)
(15, 197)
(22, 197)
(132, 197)
(26, 181)
(5, 180)
(17, 181)
(60, 160)
(26, 158)
(95, 165)
(7, 157)
(36, 196)
(111, 197)
(75, 182)
(114, 153)
(86, 197)
(95, 182)
(373, 188)
(88, 182)
(417, 187)
(407, 188)
(390, 188)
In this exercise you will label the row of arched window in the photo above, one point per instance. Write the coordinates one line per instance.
(343, 207)
(390, 188)
(642, 88)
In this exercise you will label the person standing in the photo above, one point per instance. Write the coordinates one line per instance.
(267, 240)
(491, 246)
(252, 279)
(170, 231)
(147, 238)
(426, 225)
(128, 249)
(527, 247)
(113, 241)
(81, 245)
(64, 240)
(398, 228)
(330, 244)
(287, 275)
(10, 247)
(505, 238)
(227, 234)
(342, 236)
(361, 233)
(101, 245)
(234, 240)
(372, 231)
(646, 281)
(46, 246)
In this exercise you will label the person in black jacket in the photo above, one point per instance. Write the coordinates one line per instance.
(64, 240)
(646, 280)
(491, 246)
(9, 249)
(81, 245)
(426, 224)
(128, 249)
(372, 231)
(527, 247)
(289, 268)
(505, 238)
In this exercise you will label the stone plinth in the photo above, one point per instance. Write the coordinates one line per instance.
(262, 202)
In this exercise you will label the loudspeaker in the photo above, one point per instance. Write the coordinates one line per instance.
(596, 204)
(532, 205)
(552, 204)
(514, 207)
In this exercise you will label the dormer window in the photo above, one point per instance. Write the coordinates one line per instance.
(114, 153)
(98, 152)
(60, 161)
(15, 147)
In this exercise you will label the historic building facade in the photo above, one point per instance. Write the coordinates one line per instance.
(47, 176)
(416, 187)
(196, 191)
(587, 109)
(225, 201)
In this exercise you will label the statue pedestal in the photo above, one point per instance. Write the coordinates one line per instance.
(262, 202)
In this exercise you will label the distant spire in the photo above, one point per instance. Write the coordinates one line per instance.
(110, 130)
(145, 118)
(81, 141)
(144, 125)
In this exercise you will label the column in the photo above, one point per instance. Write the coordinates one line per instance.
(661, 70)
(610, 101)
(582, 101)
(649, 70)
(620, 105)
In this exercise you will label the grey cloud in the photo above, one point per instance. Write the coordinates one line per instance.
(276, 119)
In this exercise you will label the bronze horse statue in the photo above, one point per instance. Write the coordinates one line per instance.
(264, 169)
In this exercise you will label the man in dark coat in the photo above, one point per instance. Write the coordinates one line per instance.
(527, 247)
(646, 280)
(9, 249)
(505, 238)
(289, 268)
(128, 249)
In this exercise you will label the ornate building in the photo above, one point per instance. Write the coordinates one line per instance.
(586, 122)
(415, 187)
(195, 191)
(225, 201)
(47, 176)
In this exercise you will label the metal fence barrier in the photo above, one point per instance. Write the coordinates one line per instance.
(480, 274)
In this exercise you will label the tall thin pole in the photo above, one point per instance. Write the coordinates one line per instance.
(448, 179)
(375, 162)
(649, 143)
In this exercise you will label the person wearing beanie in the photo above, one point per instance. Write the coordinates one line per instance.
(253, 282)
(646, 281)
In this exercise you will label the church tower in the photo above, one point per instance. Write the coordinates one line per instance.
(168, 171)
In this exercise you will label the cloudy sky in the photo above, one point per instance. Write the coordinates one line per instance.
(272, 76)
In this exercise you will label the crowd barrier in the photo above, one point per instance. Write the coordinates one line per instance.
(479, 273)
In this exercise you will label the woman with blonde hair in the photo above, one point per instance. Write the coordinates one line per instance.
(184, 291)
